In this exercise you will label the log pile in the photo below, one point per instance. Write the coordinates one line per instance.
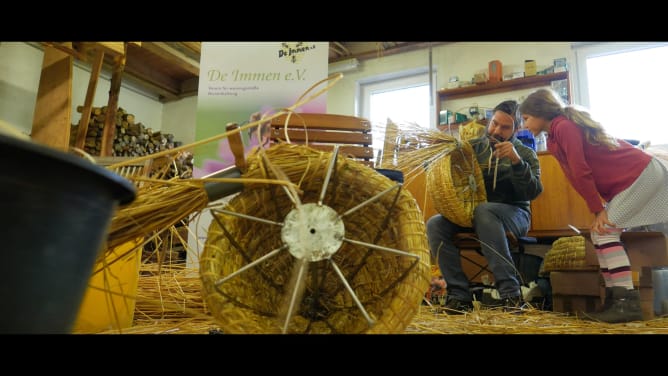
(132, 139)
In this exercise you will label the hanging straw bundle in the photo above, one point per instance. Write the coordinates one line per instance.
(389, 285)
(454, 178)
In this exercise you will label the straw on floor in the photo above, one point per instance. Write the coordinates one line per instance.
(170, 302)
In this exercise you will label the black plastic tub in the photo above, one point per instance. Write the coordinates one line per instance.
(55, 212)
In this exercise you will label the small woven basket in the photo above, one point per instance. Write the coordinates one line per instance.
(390, 286)
(456, 185)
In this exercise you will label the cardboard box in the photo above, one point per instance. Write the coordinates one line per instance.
(529, 68)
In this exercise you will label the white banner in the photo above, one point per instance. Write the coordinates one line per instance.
(239, 79)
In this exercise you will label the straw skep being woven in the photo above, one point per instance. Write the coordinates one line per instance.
(389, 285)
(454, 179)
(456, 185)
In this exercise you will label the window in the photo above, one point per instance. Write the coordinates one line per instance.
(403, 97)
(624, 87)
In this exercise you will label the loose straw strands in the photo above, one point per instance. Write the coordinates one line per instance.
(529, 321)
(172, 293)
(160, 204)
(300, 102)
(170, 303)
(453, 177)
(157, 206)
(417, 148)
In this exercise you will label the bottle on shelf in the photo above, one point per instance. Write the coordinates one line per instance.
(541, 142)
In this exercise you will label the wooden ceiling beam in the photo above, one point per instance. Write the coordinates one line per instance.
(151, 76)
(185, 49)
(172, 55)
(189, 87)
(196, 47)
(399, 47)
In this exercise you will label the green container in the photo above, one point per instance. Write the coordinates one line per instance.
(459, 118)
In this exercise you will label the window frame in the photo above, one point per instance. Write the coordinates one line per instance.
(584, 51)
(394, 81)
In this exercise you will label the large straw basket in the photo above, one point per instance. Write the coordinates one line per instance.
(389, 285)
(456, 185)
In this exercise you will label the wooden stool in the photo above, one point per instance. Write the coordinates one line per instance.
(468, 241)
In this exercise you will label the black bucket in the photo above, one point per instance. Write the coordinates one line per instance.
(56, 210)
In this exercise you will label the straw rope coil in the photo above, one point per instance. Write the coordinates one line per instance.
(567, 253)
(390, 286)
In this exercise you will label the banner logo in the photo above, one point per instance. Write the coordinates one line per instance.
(294, 51)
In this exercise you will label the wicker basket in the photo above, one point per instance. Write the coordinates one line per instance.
(390, 286)
(456, 185)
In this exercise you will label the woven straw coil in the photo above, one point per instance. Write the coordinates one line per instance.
(389, 286)
(455, 184)
(567, 253)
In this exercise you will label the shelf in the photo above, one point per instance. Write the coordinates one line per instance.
(500, 87)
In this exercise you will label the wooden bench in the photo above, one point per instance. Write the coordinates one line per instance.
(324, 131)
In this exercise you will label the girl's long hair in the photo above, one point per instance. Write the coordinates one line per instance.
(546, 104)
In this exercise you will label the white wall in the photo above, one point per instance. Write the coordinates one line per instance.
(179, 118)
(466, 59)
(463, 59)
(20, 66)
(20, 69)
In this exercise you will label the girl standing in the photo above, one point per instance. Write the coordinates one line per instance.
(622, 185)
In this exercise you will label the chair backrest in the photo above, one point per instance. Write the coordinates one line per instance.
(324, 131)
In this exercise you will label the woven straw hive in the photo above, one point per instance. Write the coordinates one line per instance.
(389, 285)
(456, 185)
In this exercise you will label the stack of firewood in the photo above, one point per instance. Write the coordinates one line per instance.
(131, 139)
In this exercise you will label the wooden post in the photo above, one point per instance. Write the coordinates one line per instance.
(112, 105)
(236, 146)
(53, 109)
(90, 97)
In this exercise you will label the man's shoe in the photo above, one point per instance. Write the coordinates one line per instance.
(509, 304)
(513, 304)
(454, 306)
